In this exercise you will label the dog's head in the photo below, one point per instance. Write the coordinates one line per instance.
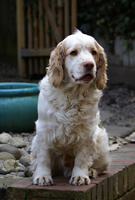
(78, 59)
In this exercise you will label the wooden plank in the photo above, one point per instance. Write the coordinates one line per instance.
(20, 36)
(53, 9)
(35, 52)
(47, 38)
(41, 31)
(41, 34)
(74, 14)
(66, 17)
(60, 17)
(36, 34)
(30, 36)
(52, 23)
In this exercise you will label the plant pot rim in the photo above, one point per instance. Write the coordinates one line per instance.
(12, 89)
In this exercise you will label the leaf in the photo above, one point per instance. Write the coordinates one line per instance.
(131, 138)
(114, 147)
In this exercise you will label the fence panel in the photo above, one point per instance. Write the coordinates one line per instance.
(40, 26)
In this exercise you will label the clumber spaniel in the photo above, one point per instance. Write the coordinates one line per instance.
(68, 137)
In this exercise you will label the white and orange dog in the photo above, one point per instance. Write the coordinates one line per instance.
(68, 137)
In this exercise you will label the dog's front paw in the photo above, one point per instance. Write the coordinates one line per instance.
(43, 180)
(79, 180)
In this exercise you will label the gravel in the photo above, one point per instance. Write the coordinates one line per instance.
(120, 101)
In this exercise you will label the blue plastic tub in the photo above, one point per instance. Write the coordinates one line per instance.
(18, 107)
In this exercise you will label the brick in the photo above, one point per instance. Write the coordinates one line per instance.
(57, 195)
(93, 193)
(129, 195)
(99, 191)
(101, 187)
(120, 183)
(123, 162)
(115, 186)
(131, 176)
(25, 182)
(17, 190)
(105, 190)
(60, 190)
(110, 188)
(125, 180)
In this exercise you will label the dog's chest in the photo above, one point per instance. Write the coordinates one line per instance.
(74, 110)
(70, 120)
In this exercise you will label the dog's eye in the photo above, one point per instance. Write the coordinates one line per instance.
(73, 53)
(94, 53)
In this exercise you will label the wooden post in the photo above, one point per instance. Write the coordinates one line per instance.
(20, 36)
(52, 22)
(36, 36)
(66, 17)
(60, 17)
(30, 65)
(74, 14)
(41, 35)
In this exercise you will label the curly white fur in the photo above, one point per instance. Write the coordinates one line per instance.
(68, 137)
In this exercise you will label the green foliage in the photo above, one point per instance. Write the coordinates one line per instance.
(107, 18)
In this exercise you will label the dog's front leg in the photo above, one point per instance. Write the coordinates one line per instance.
(42, 174)
(80, 175)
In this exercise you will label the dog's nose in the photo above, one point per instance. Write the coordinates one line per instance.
(88, 65)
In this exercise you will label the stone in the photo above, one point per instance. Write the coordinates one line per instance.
(21, 174)
(25, 161)
(10, 165)
(28, 172)
(1, 163)
(3, 171)
(10, 149)
(17, 142)
(5, 138)
(7, 167)
(19, 166)
(25, 153)
(6, 156)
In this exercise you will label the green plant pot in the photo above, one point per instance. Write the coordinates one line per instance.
(18, 107)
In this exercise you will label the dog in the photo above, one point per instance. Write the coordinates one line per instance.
(68, 137)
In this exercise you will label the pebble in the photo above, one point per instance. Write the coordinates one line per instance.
(25, 161)
(17, 142)
(5, 138)
(28, 172)
(25, 153)
(6, 156)
(10, 149)
(14, 156)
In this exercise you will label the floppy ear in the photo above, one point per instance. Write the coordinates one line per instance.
(101, 68)
(56, 64)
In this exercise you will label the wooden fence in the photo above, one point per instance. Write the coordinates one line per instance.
(41, 24)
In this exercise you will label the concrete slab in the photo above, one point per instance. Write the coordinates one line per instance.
(105, 115)
(114, 130)
(120, 131)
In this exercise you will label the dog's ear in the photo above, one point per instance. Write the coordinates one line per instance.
(56, 65)
(101, 68)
